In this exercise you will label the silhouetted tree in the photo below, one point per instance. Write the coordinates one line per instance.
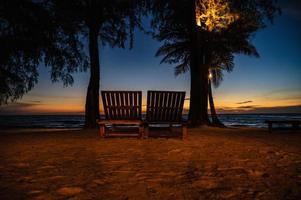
(107, 22)
(31, 36)
(220, 63)
(188, 43)
(215, 121)
(220, 49)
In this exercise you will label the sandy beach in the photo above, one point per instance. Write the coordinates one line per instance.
(211, 163)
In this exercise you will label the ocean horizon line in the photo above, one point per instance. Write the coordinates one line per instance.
(143, 113)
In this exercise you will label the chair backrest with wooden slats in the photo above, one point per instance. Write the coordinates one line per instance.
(122, 105)
(164, 106)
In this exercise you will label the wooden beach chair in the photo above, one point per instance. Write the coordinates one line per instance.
(122, 109)
(165, 107)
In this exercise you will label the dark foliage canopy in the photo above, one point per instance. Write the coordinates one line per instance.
(50, 33)
(115, 20)
(30, 35)
(172, 26)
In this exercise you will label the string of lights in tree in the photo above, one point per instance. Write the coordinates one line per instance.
(214, 15)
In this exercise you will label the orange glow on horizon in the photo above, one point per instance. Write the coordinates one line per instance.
(223, 101)
(220, 105)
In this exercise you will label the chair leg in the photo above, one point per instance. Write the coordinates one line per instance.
(184, 132)
(146, 132)
(102, 130)
(170, 127)
(141, 131)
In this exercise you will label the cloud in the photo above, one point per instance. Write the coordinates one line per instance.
(282, 94)
(35, 101)
(38, 95)
(247, 107)
(258, 110)
(279, 109)
(17, 107)
(244, 102)
(282, 91)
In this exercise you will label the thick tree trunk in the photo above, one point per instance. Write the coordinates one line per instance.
(215, 120)
(198, 111)
(92, 98)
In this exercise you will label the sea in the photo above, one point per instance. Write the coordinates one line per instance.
(77, 121)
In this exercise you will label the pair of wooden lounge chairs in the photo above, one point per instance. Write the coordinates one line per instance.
(124, 108)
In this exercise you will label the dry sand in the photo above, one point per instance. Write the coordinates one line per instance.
(212, 163)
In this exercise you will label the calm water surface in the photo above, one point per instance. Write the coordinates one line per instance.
(77, 121)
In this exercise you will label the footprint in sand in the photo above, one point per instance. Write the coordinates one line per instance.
(47, 167)
(99, 181)
(69, 191)
(258, 174)
(21, 165)
(206, 183)
(55, 177)
(33, 192)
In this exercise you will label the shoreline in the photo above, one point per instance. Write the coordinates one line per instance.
(42, 129)
(77, 121)
(35, 130)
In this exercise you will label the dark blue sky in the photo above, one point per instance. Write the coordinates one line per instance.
(267, 83)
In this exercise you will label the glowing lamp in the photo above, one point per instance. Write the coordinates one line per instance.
(210, 75)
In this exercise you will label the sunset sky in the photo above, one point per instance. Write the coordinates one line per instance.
(269, 84)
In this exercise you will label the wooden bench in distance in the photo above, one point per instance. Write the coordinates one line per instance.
(122, 108)
(165, 107)
(295, 123)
